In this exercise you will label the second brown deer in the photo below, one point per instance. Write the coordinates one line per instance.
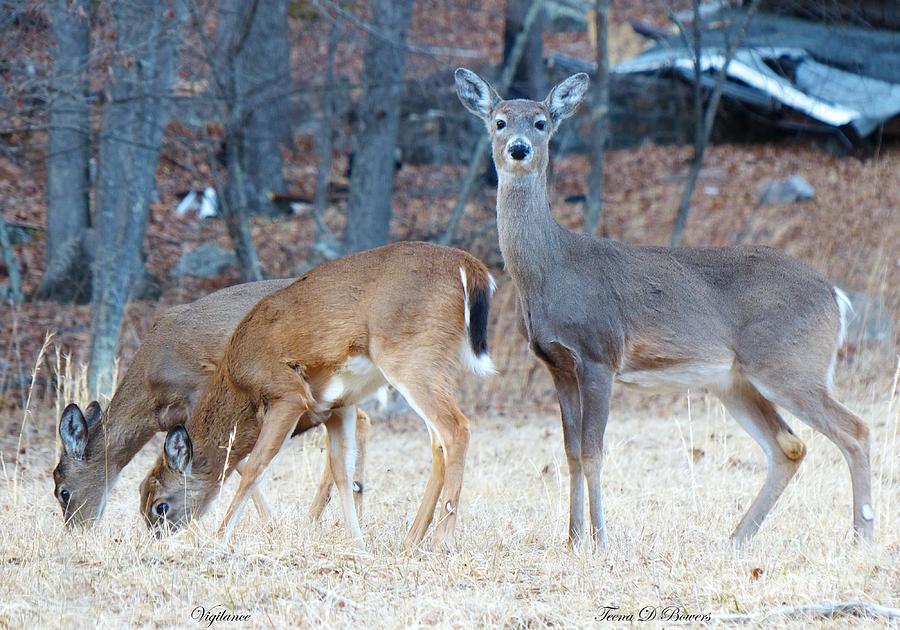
(753, 325)
(407, 314)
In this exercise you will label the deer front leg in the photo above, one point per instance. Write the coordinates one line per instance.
(596, 388)
(570, 413)
(277, 426)
(259, 499)
(323, 492)
(341, 428)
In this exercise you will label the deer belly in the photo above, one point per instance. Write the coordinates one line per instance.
(679, 377)
(354, 382)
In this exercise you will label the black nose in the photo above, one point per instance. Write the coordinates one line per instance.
(519, 151)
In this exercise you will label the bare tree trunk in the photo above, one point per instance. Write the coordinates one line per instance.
(704, 119)
(481, 147)
(326, 245)
(147, 32)
(236, 205)
(375, 142)
(236, 31)
(599, 118)
(530, 78)
(12, 265)
(262, 76)
(68, 274)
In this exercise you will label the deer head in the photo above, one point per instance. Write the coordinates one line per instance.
(520, 130)
(81, 475)
(171, 495)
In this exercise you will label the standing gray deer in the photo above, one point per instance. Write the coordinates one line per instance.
(751, 324)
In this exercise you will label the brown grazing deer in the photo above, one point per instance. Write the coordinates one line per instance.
(753, 325)
(169, 371)
(407, 314)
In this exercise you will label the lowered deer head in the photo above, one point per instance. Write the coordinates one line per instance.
(81, 485)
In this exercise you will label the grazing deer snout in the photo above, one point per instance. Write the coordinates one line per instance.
(519, 149)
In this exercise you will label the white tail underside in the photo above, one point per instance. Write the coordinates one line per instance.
(482, 365)
(845, 306)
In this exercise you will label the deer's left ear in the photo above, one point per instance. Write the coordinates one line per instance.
(178, 450)
(73, 431)
(564, 99)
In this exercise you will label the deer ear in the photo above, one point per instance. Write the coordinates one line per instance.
(73, 431)
(564, 99)
(179, 450)
(92, 414)
(476, 94)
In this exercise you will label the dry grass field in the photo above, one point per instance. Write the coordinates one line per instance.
(679, 474)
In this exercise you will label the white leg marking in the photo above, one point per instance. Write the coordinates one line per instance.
(348, 415)
(867, 512)
(383, 397)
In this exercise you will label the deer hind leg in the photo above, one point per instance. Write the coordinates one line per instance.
(451, 430)
(784, 451)
(814, 404)
(276, 429)
(851, 434)
(341, 460)
(430, 497)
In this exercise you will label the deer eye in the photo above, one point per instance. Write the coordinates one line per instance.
(162, 508)
(65, 496)
(540, 124)
(501, 124)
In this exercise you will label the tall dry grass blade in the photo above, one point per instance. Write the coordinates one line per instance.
(889, 453)
(228, 449)
(27, 413)
(689, 451)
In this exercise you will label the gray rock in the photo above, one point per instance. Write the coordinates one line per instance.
(788, 190)
(207, 261)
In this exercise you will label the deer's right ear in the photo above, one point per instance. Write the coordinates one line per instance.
(476, 94)
(179, 450)
(73, 431)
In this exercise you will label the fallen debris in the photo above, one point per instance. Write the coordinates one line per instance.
(787, 190)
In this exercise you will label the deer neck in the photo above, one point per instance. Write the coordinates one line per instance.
(129, 422)
(222, 429)
(530, 238)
